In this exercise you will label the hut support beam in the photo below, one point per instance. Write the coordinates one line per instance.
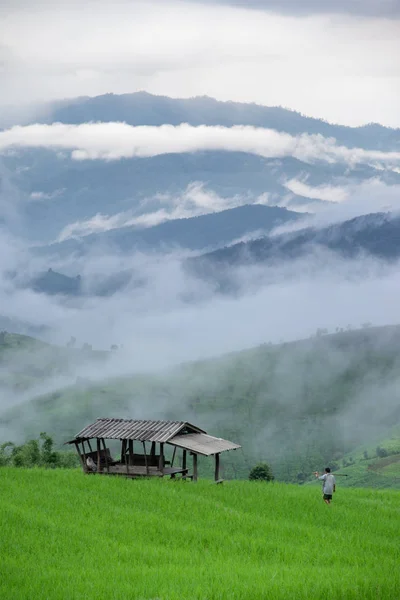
(173, 457)
(84, 457)
(124, 454)
(105, 455)
(216, 474)
(194, 467)
(98, 455)
(161, 460)
(80, 455)
(131, 453)
(145, 458)
(184, 454)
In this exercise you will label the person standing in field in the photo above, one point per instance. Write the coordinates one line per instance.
(328, 486)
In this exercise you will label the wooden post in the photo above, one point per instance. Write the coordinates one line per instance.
(123, 450)
(145, 458)
(194, 467)
(84, 455)
(173, 457)
(161, 460)
(98, 455)
(153, 449)
(126, 457)
(131, 453)
(90, 446)
(105, 455)
(80, 456)
(216, 467)
(184, 460)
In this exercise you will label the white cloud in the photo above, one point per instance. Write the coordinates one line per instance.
(372, 196)
(46, 195)
(112, 141)
(329, 193)
(338, 67)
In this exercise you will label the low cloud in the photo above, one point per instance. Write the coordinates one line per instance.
(113, 141)
(194, 201)
(38, 196)
(11, 198)
(174, 317)
(372, 196)
(329, 193)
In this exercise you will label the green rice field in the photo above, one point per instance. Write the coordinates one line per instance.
(65, 535)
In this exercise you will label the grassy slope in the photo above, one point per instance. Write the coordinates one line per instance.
(374, 472)
(66, 535)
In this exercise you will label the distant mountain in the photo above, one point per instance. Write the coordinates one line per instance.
(376, 234)
(141, 108)
(60, 191)
(209, 231)
(52, 283)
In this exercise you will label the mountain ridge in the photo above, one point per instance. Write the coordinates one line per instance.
(200, 110)
(375, 234)
(197, 232)
(59, 191)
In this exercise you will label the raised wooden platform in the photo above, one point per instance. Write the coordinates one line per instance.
(141, 471)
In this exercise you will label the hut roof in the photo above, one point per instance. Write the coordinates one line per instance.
(201, 443)
(177, 433)
(132, 429)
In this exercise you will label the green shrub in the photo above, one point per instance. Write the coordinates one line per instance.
(261, 472)
(381, 452)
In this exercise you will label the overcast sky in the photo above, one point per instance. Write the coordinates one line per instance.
(332, 59)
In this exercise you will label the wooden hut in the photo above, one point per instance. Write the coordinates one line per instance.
(143, 448)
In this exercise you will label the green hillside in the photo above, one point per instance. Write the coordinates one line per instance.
(366, 469)
(300, 406)
(25, 361)
(66, 535)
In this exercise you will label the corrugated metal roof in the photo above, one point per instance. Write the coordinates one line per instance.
(132, 429)
(201, 443)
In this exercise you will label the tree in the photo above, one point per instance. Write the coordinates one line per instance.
(381, 452)
(6, 451)
(27, 455)
(261, 472)
(49, 458)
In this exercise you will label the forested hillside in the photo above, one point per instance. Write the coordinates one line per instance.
(298, 405)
